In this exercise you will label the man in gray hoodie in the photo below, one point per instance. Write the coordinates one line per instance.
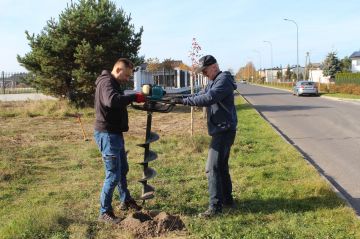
(218, 98)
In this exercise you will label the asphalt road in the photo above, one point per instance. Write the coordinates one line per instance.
(326, 131)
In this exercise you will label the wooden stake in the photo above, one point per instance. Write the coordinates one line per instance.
(82, 128)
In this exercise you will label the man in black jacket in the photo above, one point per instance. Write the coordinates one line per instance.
(111, 121)
(218, 98)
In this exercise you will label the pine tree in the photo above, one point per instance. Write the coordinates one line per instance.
(288, 73)
(68, 54)
(345, 64)
(332, 65)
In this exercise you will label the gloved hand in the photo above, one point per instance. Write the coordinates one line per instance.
(139, 97)
(177, 101)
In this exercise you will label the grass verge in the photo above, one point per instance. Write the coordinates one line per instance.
(343, 96)
(50, 179)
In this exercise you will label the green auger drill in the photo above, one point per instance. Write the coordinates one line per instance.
(155, 102)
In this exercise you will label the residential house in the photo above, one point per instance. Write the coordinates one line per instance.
(355, 61)
(271, 75)
(142, 77)
(316, 74)
(176, 78)
(293, 70)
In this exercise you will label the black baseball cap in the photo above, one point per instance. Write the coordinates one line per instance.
(204, 62)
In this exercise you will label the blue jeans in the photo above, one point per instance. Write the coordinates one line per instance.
(217, 169)
(112, 148)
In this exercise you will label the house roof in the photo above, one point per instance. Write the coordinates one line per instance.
(142, 66)
(356, 54)
(176, 63)
(315, 65)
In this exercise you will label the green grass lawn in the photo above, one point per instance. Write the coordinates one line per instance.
(341, 95)
(50, 178)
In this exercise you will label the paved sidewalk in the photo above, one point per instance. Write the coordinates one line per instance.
(25, 97)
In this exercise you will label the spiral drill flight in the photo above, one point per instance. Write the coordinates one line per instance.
(155, 102)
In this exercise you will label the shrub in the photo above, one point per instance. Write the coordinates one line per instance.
(347, 78)
(341, 88)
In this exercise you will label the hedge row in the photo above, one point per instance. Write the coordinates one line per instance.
(353, 89)
(347, 78)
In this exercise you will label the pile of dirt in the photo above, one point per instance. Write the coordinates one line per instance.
(147, 224)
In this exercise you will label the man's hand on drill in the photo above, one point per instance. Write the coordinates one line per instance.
(178, 101)
(139, 97)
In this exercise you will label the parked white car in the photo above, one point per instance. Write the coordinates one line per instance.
(305, 88)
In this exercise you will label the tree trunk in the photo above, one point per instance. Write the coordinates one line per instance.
(192, 108)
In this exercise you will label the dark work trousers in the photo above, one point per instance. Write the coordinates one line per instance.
(217, 169)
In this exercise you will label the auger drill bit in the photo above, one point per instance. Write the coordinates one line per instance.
(148, 173)
(155, 102)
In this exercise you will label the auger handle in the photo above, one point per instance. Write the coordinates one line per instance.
(160, 106)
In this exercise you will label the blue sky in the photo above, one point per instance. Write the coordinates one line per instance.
(232, 31)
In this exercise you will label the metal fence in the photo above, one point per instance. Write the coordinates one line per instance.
(13, 83)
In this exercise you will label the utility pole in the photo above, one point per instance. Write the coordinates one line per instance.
(310, 68)
(306, 66)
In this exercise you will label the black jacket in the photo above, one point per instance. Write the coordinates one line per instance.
(110, 105)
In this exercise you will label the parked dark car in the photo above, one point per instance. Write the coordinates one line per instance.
(305, 88)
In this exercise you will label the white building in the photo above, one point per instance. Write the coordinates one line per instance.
(172, 80)
(142, 77)
(355, 62)
(271, 75)
(316, 74)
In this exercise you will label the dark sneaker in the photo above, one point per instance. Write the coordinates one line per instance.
(229, 205)
(109, 217)
(210, 213)
(130, 204)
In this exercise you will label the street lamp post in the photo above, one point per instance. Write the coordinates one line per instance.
(297, 47)
(271, 55)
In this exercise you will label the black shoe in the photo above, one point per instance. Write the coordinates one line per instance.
(229, 205)
(211, 212)
(130, 204)
(108, 217)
